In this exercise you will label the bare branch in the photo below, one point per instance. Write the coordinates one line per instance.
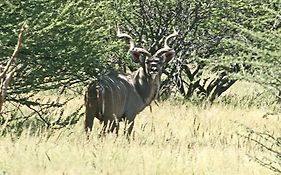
(16, 50)
(6, 83)
(9, 70)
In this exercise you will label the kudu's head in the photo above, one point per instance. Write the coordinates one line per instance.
(151, 64)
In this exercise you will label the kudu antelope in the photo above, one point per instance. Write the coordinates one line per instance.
(115, 97)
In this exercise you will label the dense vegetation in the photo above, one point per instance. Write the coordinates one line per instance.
(70, 43)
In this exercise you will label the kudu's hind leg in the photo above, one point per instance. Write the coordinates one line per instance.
(89, 120)
(92, 110)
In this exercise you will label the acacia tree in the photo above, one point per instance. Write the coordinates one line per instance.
(216, 42)
(255, 46)
(68, 45)
(195, 46)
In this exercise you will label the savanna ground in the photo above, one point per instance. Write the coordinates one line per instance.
(175, 138)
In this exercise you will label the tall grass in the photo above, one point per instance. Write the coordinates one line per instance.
(175, 138)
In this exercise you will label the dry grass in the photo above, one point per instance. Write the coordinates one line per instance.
(173, 139)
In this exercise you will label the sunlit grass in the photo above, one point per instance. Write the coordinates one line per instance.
(175, 138)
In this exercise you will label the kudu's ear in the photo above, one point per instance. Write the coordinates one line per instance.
(135, 56)
(168, 56)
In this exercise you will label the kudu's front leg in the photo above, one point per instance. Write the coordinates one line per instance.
(129, 125)
(110, 126)
(130, 128)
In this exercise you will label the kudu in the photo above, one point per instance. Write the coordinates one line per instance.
(115, 97)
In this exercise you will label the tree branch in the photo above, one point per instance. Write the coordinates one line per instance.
(8, 71)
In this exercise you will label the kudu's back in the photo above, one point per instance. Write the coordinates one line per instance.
(117, 96)
(112, 98)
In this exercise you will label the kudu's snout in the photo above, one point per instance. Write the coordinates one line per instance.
(153, 68)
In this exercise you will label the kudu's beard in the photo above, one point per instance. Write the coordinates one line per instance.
(153, 76)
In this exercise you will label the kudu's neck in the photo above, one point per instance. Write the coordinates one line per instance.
(146, 87)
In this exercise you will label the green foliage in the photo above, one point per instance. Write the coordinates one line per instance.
(66, 42)
(255, 43)
(71, 41)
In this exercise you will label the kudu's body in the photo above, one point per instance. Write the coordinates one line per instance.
(118, 96)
